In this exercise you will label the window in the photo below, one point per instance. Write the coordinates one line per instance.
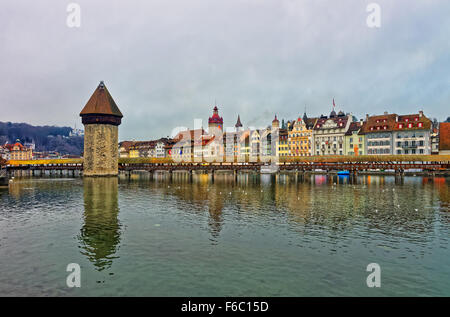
(410, 125)
(400, 125)
(420, 125)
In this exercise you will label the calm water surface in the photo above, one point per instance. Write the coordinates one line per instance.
(260, 236)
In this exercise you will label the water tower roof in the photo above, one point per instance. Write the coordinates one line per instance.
(101, 103)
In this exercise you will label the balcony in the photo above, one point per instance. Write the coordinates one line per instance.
(409, 146)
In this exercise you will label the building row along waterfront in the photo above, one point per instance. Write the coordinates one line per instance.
(338, 133)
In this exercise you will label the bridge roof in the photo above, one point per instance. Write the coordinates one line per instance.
(102, 103)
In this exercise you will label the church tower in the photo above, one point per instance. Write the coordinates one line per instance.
(275, 123)
(101, 118)
(238, 125)
(215, 123)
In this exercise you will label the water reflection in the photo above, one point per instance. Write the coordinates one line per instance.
(100, 235)
(387, 205)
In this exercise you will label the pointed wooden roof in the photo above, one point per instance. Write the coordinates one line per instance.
(102, 103)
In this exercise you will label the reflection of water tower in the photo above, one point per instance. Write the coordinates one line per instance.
(215, 208)
(100, 235)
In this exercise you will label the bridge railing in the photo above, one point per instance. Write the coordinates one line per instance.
(443, 160)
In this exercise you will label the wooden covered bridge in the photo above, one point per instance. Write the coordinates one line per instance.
(394, 163)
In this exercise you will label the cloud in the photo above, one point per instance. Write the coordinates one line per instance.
(165, 62)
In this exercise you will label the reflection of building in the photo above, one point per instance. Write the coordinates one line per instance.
(100, 234)
(215, 207)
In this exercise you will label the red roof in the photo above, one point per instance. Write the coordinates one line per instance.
(394, 122)
(354, 126)
(11, 146)
(275, 120)
(205, 140)
(189, 134)
(341, 122)
(215, 117)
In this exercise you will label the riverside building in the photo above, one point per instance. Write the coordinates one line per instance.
(329, 133)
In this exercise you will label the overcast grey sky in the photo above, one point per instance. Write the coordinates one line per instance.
(165, 62)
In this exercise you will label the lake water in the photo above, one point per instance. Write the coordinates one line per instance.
(261, 235)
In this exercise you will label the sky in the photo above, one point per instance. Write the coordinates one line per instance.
(169, 62)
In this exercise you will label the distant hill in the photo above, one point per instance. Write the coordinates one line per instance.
(46, 138)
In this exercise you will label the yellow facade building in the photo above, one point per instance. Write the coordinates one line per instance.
(299, 139)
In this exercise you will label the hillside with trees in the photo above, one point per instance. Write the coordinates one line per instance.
(46, 138)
